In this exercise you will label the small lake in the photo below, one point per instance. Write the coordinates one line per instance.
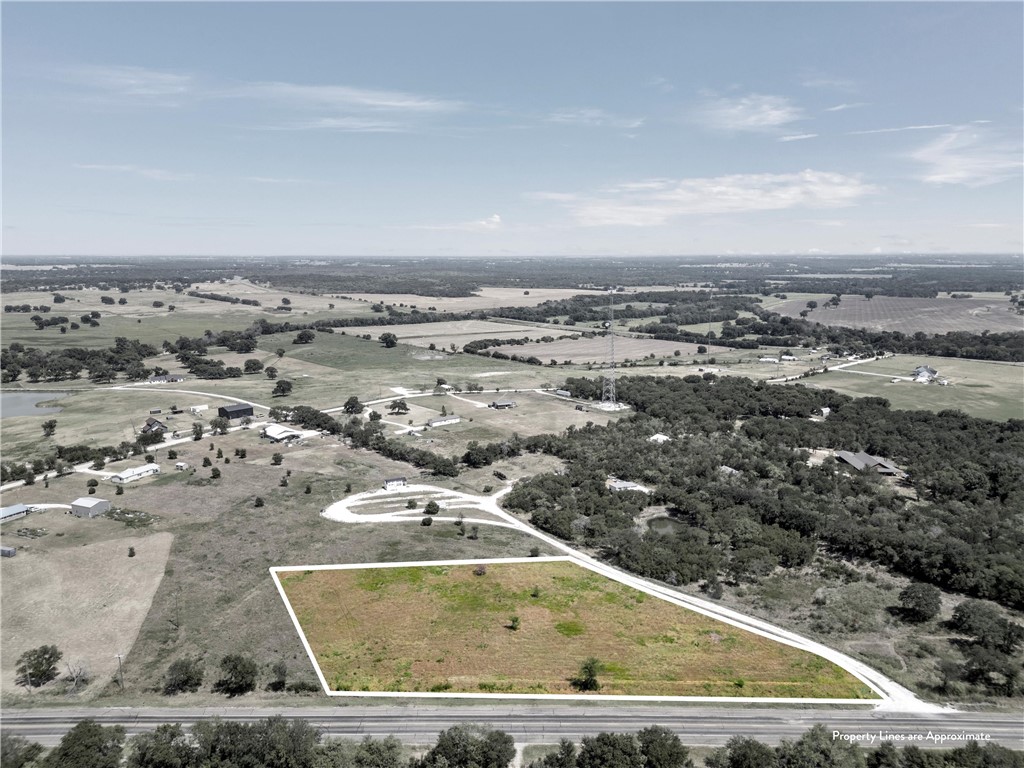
(665, 525)
(24, 403)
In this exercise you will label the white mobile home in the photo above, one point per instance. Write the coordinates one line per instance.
(135, 473)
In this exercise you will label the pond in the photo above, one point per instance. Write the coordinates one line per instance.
(24, 403)
(665, 525)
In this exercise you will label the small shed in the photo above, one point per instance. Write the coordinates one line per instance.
(181, 466)
(235, 410)
(563, 393)
(502, 405)
(392, 483)
(8, 551)
(195, 410)
(13, 512)
(278, 433)
(89, 506)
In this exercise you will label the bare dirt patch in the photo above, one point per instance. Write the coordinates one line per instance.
(89, 601)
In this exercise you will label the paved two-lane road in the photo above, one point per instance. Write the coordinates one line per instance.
(546, 724)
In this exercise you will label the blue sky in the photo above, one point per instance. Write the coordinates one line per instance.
(512, 128)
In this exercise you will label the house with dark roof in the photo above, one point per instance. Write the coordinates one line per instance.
(153, 425)
(863, 461)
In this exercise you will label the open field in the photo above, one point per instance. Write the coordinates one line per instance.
(896, 313)
(461, 332)
(536, 414)
(139, 319)
(80, 592)
(485, 298)
(216, 596)
(448, 630)
(595, 350)
(983, 389)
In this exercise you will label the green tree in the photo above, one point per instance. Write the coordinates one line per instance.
(49, 427)
(16, 752)
(743, 752)
(587, 680)
(817, 748)
(184, 674)
(166, 747)
(304, 337)
(389, 340)
(276, 459)
(88, 745)
(283, 388)
(610, 750)
(564, 757)
(353, 406)
(399, 406)
(197, 430)
(271, 372)
(432, 508)
(253, 366)
(663, 749)
(220, 425)
(38, 666)
(465, 746)
(920, 602)
(239, 675)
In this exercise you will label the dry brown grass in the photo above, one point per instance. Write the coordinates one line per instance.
(444, 628)
(88, 599)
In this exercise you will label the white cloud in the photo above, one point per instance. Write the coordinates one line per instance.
(844, 107)
(970, 156)
(903, 128)
(660, 84)
(342, 97)
(131, 81)
(798, 137)
(279, 180)
(753, 112)
(826, 81)
(658, 201)
(490, 224)
(346, 124)
(149, 173)
(594, 118)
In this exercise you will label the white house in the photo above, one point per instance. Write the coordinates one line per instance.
(195, 410)
(659, 438)
(626, 485)
(789, 358)
(279, 433)
(767, 359)
(440, 421)
(89, 506)
(392, 483)
(135, 473)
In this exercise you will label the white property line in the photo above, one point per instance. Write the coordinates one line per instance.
(894, 697)
(274, 571)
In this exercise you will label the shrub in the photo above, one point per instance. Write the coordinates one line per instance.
(131, 551)
(427, 521)
(258, 502)
(185, 674)
(276, 459)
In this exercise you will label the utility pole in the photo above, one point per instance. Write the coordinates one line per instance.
(120, 671)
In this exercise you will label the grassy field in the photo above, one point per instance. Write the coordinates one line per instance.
(983, 389)
(448, 629)
(216, 595)
(485, 298)
(896, 313)
(139, 319)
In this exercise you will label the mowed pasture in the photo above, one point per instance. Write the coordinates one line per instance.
(80, 592)
(987, 390)
(216, 596)
(448, 629)
(909, 315)
(461, 332)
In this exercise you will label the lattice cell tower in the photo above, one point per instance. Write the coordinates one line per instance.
(608, 390)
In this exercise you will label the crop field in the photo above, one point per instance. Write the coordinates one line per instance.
(984, 389)
(216, 595)
(896, 313)
(450, 629)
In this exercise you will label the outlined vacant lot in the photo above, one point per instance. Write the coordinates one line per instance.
(448, 628)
